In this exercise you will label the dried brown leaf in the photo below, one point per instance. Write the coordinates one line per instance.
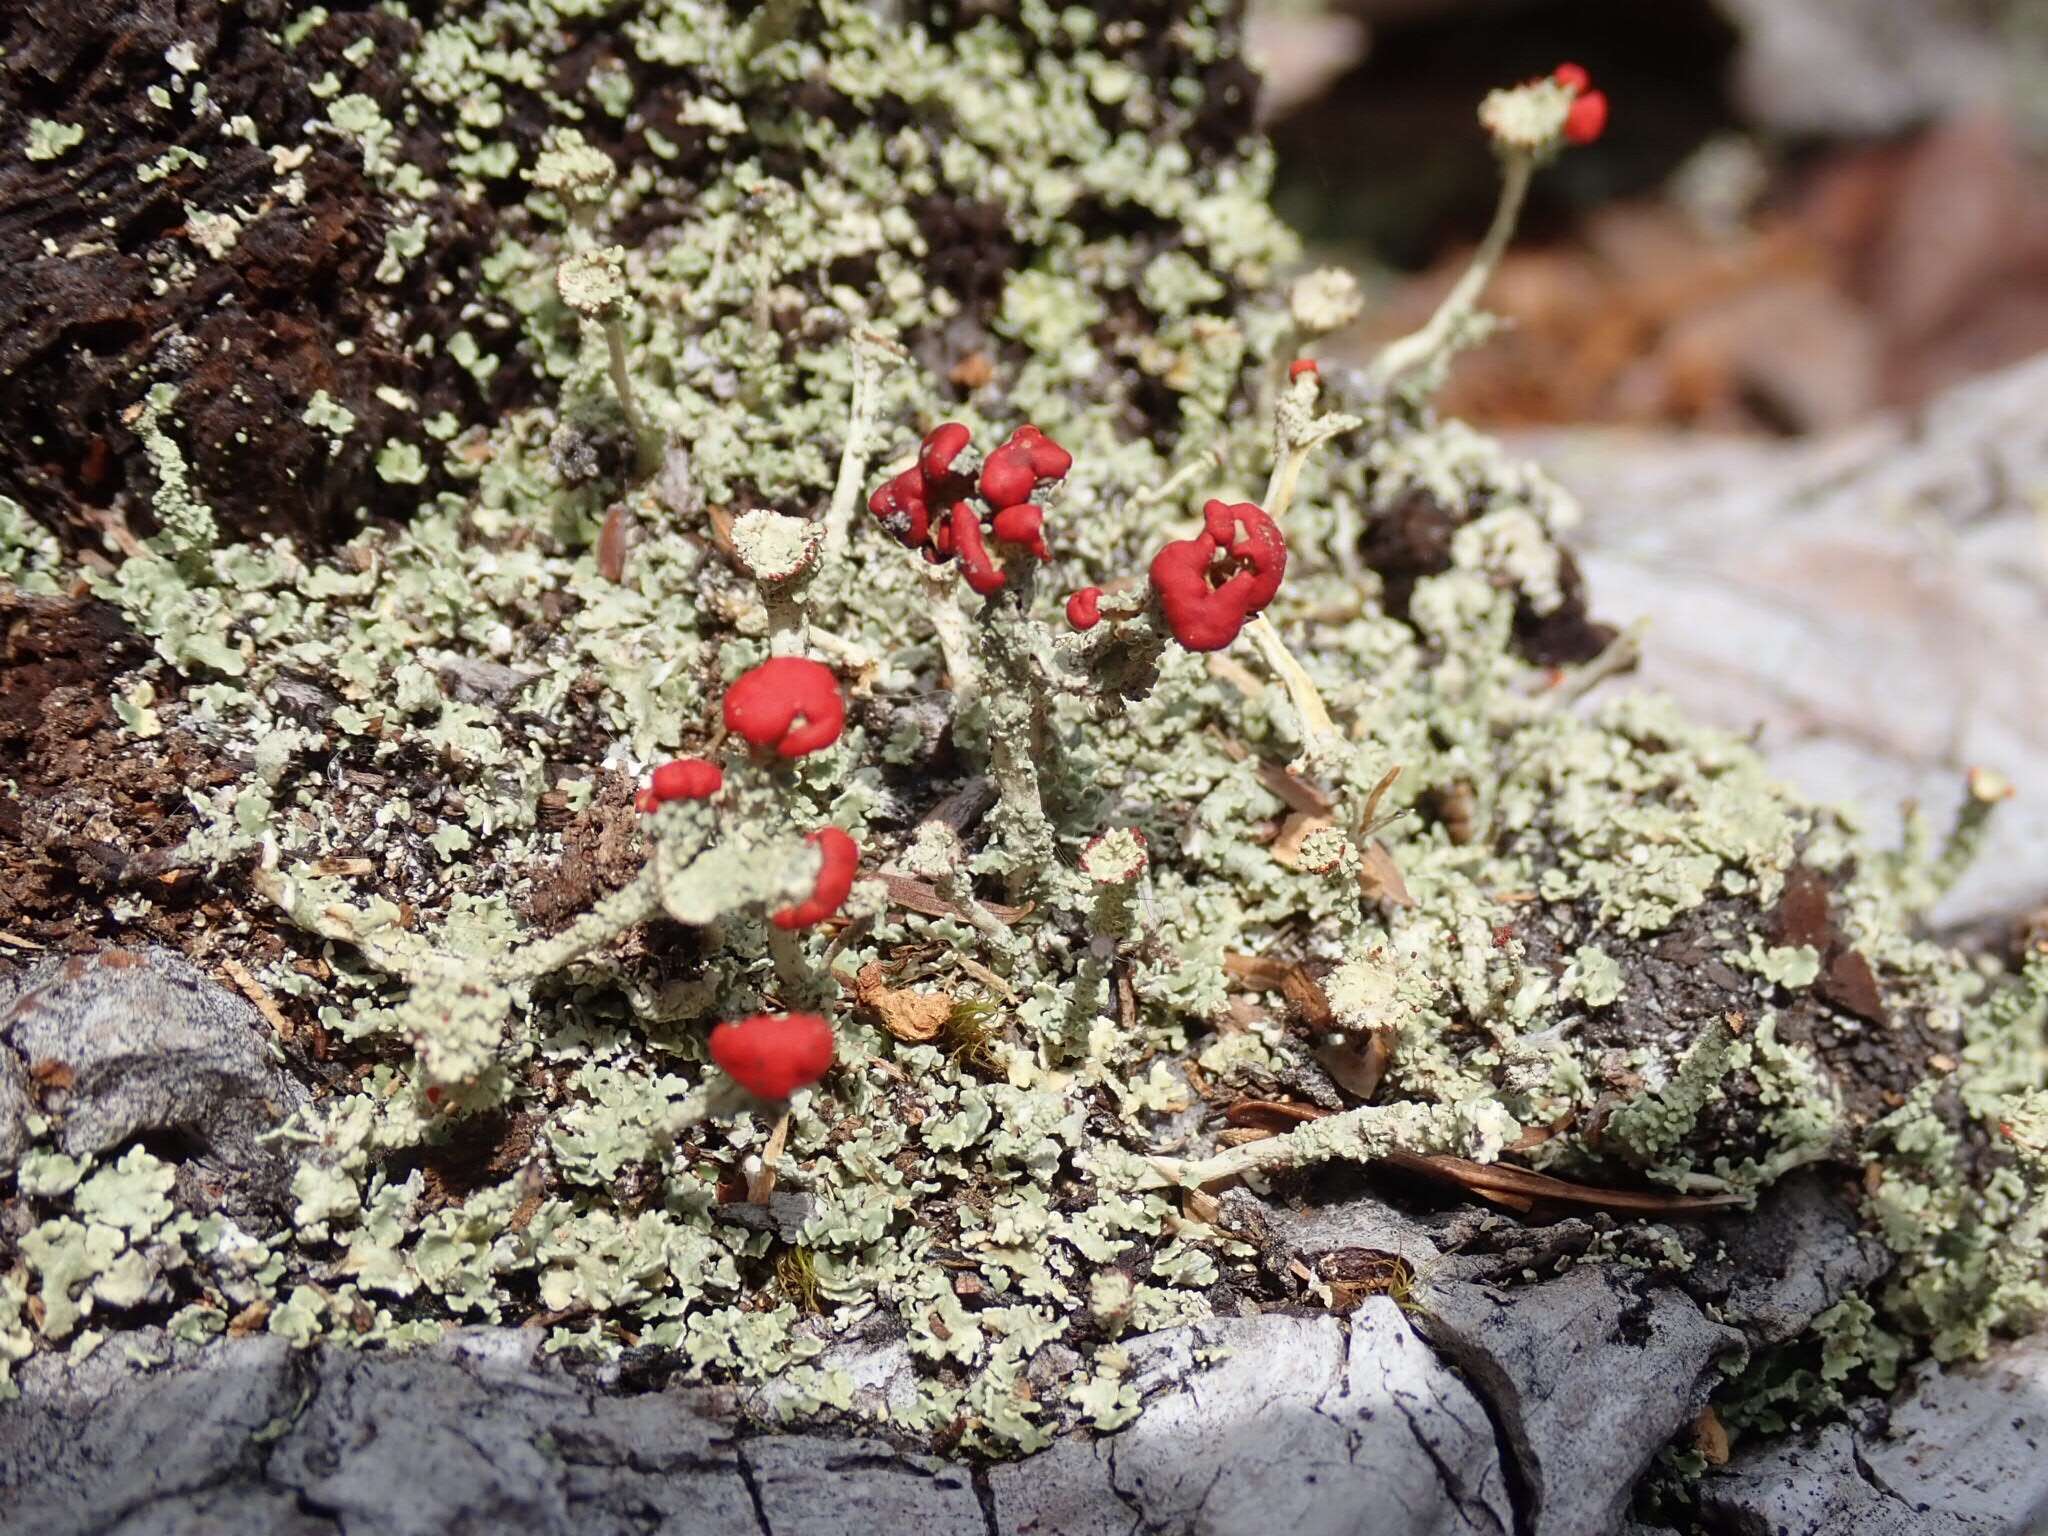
(1294, 831)
(1236, 674)
(249, 1319)
(973, 370)
(721, 529)
(920, 897)
(52, 1073)
(1710, 1437)
(1536, 1135)
(1380, 877)
(1801, 916)
(1296, 792)
(1267, 975)
(1369, 820)
(1272, 1113)
(254, 990)
(1302, 991)
(613, 541)
(1848, 982)
(906, 1014)
(1308, 999)
(1357, 1066)
(761, 1181)
(1239, 1135)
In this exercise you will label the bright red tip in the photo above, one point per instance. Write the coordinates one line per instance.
(900, 507)
(788, 703)
(687, 778)
(981, 571)
(835, 881)
(1572, 77)
(1084, 608)
(1024, 526)
(941, 446)
(1016, 469)
(772, 1055)
(1205, 613)
(1587, 119)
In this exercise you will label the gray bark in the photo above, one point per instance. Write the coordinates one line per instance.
(1875, 603)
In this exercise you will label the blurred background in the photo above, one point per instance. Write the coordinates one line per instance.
(1802, 210)
(1784, 330)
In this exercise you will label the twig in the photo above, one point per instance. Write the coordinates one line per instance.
(254, 991)
(1500, 1178)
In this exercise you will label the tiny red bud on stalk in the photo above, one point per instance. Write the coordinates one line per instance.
(1587, 119)
(687, 778)
(772, 1055)
(788, 703)
(1300, 366)
(835, 881)
(1572, 77)
(1084, 608)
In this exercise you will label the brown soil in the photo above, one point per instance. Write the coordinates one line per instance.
(92, 809)
(601, 851)
(108, 293)
(92, 815)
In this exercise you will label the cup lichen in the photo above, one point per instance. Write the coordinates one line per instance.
(829, 193)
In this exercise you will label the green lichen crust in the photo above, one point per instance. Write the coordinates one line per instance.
(1601, 952)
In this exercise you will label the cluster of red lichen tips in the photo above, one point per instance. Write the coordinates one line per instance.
(1587, 118)
(1210, 586)
(791, 706)
(932, 506)
(787, 707)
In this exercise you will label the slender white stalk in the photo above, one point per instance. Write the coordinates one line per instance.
(646, 453)
(871, 350)
(1408, 353)
(1317, 728)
